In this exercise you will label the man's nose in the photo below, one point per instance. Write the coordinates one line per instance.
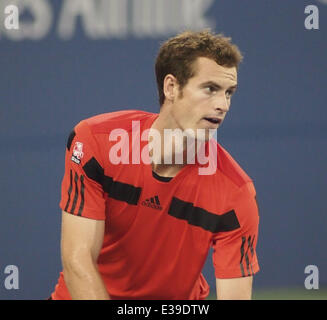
(222, 103)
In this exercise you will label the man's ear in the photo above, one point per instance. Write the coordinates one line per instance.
(170, 87)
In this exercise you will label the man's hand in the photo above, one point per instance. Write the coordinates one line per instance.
(81, 242)
(234, 289)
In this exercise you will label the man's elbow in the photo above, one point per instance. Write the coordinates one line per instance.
(77, 265)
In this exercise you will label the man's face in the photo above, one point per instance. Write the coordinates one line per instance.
(205, 100)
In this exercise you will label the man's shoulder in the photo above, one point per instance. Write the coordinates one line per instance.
(230, 168)
(106, 122)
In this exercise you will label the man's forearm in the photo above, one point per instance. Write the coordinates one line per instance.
(85, 283)
(234, 289)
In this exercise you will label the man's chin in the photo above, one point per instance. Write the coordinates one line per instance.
(206, 135)
(200, 134)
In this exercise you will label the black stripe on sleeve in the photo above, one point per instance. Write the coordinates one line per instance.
(247, 259)
(242, 255)
(76, 193)
(247, 263)
(250, 244)
(70, 139)
(115, 189)
(69, 190)
(199, 217)
(81, 207)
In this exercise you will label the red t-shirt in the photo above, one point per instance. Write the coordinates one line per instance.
(157, 234)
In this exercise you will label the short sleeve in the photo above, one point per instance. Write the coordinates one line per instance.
(234, 252)
(81, 189)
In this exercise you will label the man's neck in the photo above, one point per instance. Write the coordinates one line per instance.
(168, 153)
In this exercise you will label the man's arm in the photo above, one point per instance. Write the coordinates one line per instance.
(234, 289)
(81, 242)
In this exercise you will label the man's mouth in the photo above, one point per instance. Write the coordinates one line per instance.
(213, 120)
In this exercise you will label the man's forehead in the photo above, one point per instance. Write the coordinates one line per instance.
(208, 68)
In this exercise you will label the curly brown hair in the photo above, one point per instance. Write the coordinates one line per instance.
(177, 55)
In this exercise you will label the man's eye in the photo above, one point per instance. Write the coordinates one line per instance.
(229, 93)
(211, 89)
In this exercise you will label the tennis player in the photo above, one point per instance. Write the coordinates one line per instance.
(136, 222)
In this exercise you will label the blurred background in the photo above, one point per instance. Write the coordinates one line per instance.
(71, 59)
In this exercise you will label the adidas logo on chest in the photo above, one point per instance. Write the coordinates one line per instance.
(152, 202)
